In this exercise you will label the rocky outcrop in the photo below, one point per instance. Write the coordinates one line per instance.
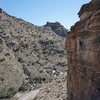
(57, 28)
(1, 11)
(83, 53)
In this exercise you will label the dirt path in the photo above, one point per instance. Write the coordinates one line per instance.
(28, 96)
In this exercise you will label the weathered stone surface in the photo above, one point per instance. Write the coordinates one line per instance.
(83, 48)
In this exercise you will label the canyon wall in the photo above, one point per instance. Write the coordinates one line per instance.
(83, 53)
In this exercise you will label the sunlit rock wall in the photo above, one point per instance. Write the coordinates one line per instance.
(83, 53)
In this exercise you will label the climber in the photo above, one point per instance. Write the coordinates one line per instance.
(81, 44)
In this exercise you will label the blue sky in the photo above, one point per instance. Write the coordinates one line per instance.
(39, 12)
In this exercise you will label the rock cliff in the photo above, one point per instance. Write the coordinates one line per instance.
(83, 53)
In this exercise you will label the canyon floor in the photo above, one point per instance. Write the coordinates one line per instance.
(51, 91)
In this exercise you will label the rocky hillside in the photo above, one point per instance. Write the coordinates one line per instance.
(57, 28)
(29, 55)
(83, 47)
(56, 90)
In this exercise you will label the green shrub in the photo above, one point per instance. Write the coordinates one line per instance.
(25, 87)
(2, 95)
(9, 93)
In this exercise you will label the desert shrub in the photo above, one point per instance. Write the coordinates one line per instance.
(37, 80)
(9, 45)
(2, 59)
(25, 87)
(1, 79)
(26, 71)
(16, 49)
(2, 95)
(20, 60)
(9, 93)
(7, 54)
(1, 49)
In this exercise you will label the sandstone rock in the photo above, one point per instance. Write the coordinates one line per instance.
(83, 53)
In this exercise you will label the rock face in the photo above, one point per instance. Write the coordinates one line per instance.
(83, 53)
(57, 28)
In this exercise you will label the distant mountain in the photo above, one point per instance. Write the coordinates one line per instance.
(29, 55)
(57, 28)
